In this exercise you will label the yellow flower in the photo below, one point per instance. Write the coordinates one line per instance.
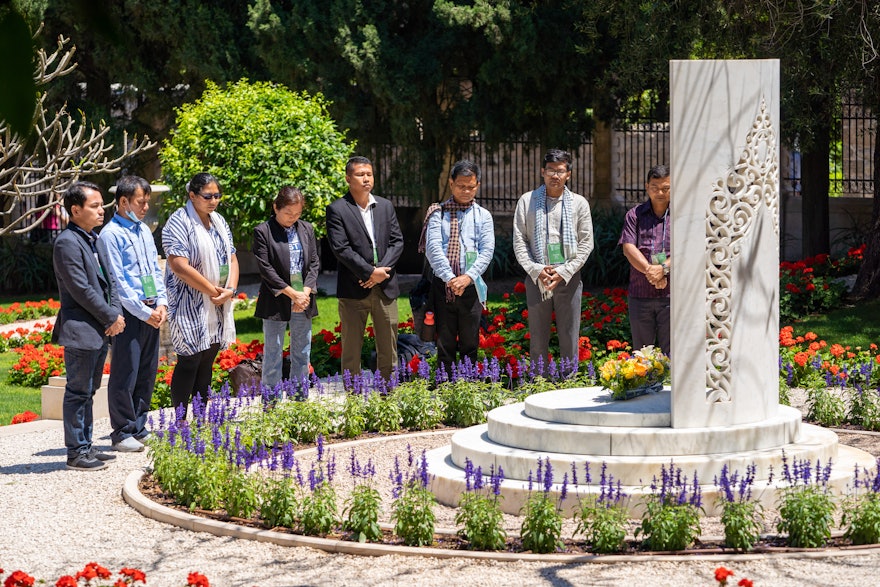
(608, 370)
(640, 369)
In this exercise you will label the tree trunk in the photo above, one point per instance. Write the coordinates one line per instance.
(814, 195)
(868, 282)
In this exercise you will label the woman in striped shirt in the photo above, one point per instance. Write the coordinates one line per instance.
(201, 284)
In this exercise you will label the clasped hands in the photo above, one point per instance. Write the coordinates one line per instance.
(222, 295)
(300, 301)
(550, 278)
(378, 275)
(458, 284)
(654, 275)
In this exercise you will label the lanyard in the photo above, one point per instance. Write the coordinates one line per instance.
(141, 261)
(662, 237)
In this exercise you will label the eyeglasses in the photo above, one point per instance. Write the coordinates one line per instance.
(555, 172)
(216, 196)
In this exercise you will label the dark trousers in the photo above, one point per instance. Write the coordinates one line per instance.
(192, 375)
(132, 378)
(457, 324)
(650, 323)
(84, 371)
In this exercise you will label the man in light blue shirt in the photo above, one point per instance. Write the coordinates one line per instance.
(459, 240)
(132, 253)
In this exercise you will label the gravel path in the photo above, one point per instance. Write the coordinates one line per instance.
(54, 521)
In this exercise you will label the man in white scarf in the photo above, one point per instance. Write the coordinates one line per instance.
(552, 238)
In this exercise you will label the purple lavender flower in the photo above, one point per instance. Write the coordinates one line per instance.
(564, 491)
(478, 478)
(320, 446)
(548, 475)
(287, 456)
(468, 473)
(497, 479)
(574, 474)
(424, 477)
(587, 478)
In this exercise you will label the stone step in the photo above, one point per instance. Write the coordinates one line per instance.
(52, 399)
(474, 444)
(511, 426)
(448, 484)
(594, 406)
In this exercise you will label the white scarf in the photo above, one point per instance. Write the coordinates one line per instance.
(210, 269)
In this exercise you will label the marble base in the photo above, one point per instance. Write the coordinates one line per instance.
(570, 428)
(52, 399)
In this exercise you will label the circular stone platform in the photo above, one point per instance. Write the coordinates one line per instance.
(571, 428)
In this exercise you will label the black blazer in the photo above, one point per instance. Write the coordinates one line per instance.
(353, 249)
(273, 258)
(89, 299)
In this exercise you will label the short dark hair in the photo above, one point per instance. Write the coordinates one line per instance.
(465, 168)
(199, 181)
(76, 195)
(557, 156)
(127, 185)
(288, 196)
(657, 172)
(356, 160)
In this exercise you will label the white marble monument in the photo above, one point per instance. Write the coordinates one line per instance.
(722, 407)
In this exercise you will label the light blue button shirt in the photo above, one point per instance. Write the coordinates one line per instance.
(132, 252)
(476, 233)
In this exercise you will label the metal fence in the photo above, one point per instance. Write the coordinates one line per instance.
(855, 168)
(637, 148)
(509, 170)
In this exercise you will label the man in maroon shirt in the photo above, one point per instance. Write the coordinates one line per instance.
(646, 245)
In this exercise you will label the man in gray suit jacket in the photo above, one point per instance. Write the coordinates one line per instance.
(90, 313)
(366, 240)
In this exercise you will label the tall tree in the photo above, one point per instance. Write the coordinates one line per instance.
(423, 74)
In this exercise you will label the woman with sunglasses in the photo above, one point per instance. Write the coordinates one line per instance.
(201, 284)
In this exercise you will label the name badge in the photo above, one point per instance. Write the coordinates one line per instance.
(658, 258)
(554, 253)
(149, 286)
(470, 257)
(296, 281)
(224, 274)
(375, 257)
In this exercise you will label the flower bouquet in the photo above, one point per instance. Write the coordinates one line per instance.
(630, 376)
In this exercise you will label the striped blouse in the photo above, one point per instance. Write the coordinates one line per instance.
(189, 333)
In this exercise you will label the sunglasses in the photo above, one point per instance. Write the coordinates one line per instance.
(216, 196)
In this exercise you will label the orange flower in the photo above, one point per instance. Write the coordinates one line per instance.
(836, 350)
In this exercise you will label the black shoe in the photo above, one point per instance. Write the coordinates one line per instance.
(85, 462)
(101, 456)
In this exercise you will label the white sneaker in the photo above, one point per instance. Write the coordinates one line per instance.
(130, 444)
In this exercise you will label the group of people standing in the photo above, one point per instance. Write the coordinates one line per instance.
(111, 286)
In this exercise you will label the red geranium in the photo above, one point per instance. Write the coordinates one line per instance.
(197, 580)
(519, 287)
(721, 575)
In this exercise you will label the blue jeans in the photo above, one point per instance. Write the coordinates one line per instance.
(84, 370)
(300, 348)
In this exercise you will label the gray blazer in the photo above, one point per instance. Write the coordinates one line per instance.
(86, 310)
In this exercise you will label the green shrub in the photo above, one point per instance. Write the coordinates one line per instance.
(606, 265)
(256, 138)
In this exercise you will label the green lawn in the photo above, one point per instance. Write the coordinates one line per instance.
(15, 399)
(848, 325)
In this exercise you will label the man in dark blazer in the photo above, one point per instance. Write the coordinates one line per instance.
(366, 239)
(90, 313)
(281, 301)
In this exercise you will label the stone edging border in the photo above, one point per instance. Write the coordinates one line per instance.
(149, 509)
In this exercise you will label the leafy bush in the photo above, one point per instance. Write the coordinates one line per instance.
(256, 138)
(420, 409)
(806, 507)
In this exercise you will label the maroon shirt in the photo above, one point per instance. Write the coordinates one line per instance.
(651, 235)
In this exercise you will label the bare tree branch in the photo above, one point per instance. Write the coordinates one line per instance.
(58, 152)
